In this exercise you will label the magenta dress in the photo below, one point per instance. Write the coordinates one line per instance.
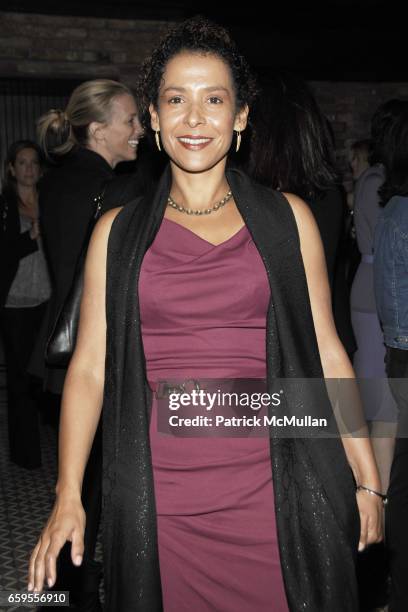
(203, 315)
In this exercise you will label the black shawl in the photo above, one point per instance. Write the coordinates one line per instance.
(317, 518)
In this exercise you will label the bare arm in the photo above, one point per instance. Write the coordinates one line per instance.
(83, 389)
(81, 409)
(336, 365)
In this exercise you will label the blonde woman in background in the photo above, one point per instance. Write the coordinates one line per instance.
(98, 129)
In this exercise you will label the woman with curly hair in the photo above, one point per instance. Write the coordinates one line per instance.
(205, 280)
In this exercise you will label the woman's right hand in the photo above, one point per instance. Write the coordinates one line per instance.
(65, 524)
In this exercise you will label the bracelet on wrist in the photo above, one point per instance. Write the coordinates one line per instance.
(384, 498)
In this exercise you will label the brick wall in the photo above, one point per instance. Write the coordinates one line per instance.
(349, 107)
(74, 47)
(84, 47)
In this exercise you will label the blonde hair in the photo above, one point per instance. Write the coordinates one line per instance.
(59, 131)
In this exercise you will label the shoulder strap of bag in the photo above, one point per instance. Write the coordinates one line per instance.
(99, 203)
(97, 212)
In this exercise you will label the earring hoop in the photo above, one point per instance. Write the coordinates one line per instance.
(238, 141)
(157, 138)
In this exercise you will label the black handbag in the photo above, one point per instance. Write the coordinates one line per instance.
(61, 343)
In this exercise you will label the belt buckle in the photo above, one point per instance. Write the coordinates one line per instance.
(165, 389)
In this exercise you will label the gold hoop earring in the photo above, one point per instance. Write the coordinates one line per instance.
(238, 141)
(157, 138)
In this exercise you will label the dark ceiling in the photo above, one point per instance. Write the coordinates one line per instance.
(331, 40)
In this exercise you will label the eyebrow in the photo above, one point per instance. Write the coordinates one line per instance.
(183, 89)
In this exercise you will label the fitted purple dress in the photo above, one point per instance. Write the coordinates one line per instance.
(203, 315)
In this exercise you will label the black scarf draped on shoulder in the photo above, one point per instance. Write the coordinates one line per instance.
(316, 512)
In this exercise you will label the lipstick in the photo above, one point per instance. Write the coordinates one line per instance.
(194, 143)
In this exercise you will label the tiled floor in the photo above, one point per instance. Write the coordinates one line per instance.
(26, 497)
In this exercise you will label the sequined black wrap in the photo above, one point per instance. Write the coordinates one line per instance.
(317, 518)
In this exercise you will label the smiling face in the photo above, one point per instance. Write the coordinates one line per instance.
(196, 112)
(26, 168)
(118, 139)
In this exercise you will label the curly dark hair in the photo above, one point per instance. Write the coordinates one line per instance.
(198, 35)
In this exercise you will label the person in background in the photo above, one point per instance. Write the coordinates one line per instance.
(391, 292)
(359, 161)
(292, 150)
(360, 153)
(368, 363)
(98, 129)
(378, 403)
(24, 291)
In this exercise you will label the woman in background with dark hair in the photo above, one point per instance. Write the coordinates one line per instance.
(360, 155)
(378, 403)
(24, 291)
(379, 407)
(391, 292)
(359, 161)
(292, 150)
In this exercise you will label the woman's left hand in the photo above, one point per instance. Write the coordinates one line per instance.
(371, 510)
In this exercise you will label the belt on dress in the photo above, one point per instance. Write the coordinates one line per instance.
(367, 258)
(163, 389)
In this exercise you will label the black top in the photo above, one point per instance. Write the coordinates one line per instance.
(67, 206)
(13, 244)
(330, 211)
